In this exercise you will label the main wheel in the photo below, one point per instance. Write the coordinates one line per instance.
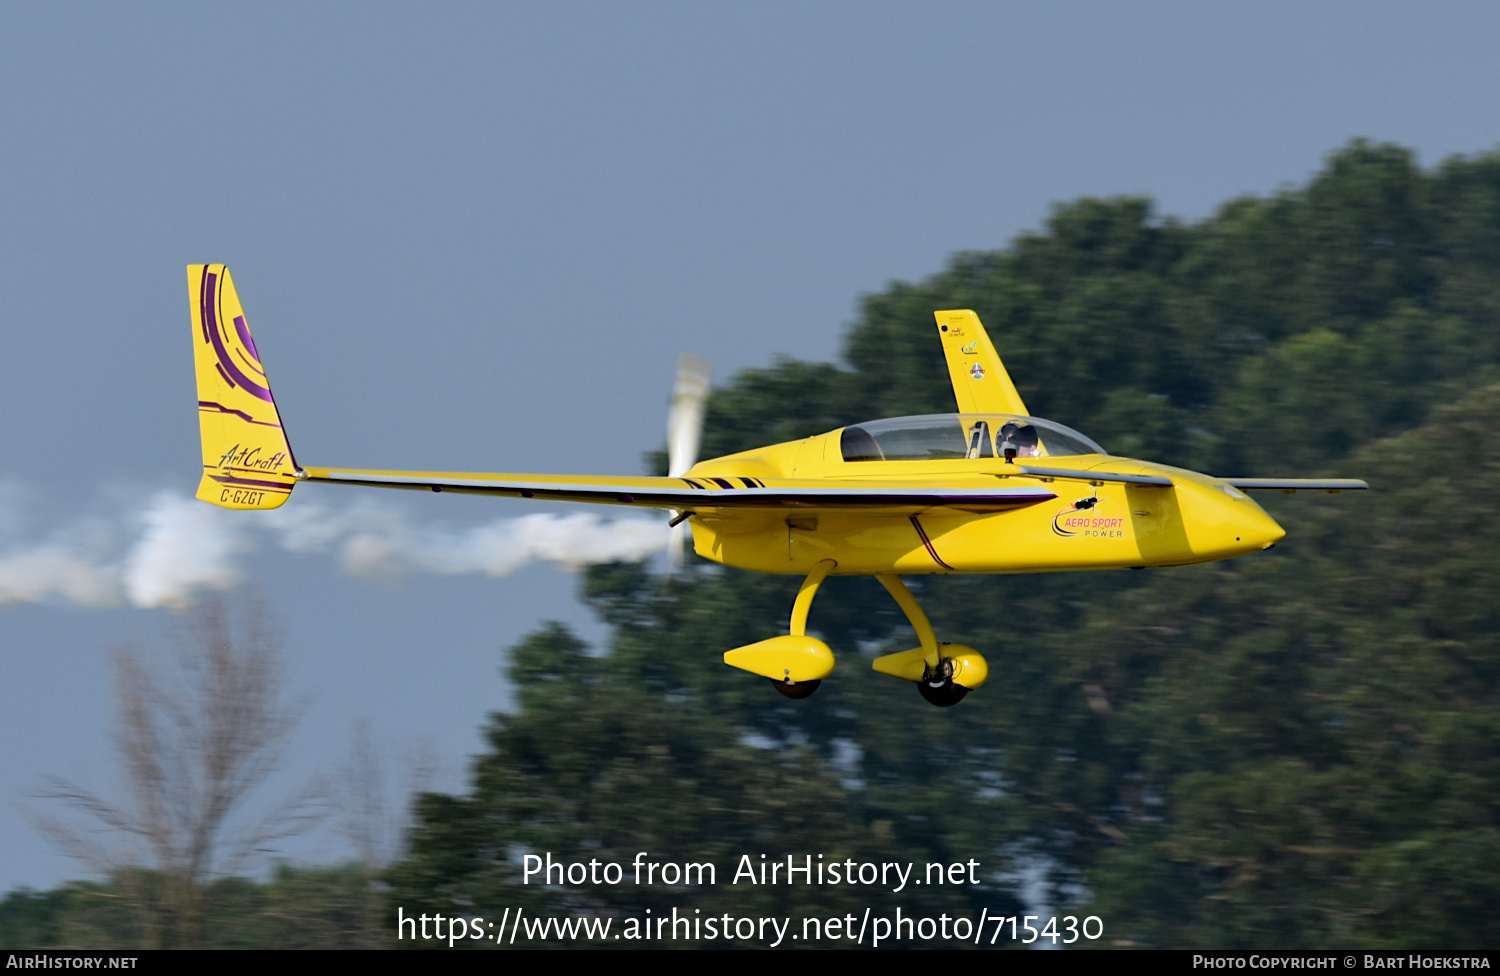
(942, 693)
(796, 689)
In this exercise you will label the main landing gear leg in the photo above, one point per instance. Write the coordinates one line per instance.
(795, 663)
(944, 673)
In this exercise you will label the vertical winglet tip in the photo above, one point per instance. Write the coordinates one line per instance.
(247, 460)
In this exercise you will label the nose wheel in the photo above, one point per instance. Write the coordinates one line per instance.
(938, 687)
(799, 689)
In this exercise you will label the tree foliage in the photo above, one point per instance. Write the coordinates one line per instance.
(1296, 748)
(296, 908)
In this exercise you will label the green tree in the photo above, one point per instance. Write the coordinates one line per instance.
(1290, 749)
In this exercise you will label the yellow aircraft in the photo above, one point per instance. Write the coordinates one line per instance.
(989, 489)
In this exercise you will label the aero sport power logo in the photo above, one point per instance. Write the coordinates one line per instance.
(1074, 521)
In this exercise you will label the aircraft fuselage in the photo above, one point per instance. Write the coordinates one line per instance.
(1108, 525)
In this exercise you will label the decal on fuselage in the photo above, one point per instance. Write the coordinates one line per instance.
(1087, 522)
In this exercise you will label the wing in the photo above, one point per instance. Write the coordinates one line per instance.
(980, 382)
(248, 462)
(694, 495)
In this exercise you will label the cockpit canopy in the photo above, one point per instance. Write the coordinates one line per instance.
(942, 436)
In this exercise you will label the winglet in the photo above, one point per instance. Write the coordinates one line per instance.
(980, 382)
(247, 462)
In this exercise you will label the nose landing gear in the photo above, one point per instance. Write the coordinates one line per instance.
(943, 673)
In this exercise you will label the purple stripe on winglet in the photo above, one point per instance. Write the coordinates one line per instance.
(244, 333)
(251, 363)
(203, 404)
(226, 363)
(203, 304)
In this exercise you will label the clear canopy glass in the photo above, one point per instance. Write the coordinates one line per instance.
(941, 436)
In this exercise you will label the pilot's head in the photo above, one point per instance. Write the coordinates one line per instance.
(1020, 436)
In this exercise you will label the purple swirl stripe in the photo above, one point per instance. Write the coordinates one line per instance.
(247, 361)
(227, 366)
(243, 331)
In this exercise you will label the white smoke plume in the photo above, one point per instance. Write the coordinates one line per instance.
(185, 544)
(160, 552)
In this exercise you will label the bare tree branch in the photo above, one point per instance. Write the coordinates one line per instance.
(196, 741)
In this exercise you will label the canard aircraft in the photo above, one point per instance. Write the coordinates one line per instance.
(989, 489)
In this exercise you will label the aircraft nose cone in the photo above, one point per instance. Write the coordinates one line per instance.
(1260, 531)
(1225, 522)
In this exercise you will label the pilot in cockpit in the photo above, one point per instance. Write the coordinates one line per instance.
(1020, 437)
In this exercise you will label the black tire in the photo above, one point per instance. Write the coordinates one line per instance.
(942, 693)
(796, 689)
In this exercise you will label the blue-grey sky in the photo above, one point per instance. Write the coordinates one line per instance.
(476, 236)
